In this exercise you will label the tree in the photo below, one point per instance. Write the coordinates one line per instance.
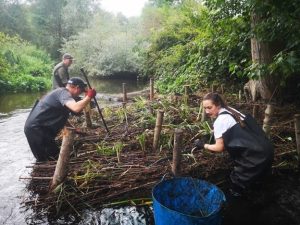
(108, 46)
(77, 15)
(14, 19)
(274, 48)
(55, 21)
(48, 22)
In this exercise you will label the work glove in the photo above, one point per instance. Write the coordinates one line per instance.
(91, 93)
(199, 144)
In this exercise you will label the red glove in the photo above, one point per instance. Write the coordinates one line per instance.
(91, 93)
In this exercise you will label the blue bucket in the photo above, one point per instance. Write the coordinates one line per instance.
(187, 201)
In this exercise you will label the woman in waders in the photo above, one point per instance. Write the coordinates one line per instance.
(243, 138)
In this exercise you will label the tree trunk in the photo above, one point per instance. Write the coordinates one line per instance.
(261, 54)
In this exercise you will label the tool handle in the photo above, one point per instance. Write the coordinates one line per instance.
(97, 105)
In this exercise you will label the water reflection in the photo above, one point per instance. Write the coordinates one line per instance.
(11, 102)
(114, 86)
(130, 215)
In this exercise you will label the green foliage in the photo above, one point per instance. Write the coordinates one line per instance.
(116, 149)
(23, 66)
(189, 49)
(279, 27)
(142, 141)
(107, 47)
(179, 42)
(203, 44)
(103, 149)
(14, 19)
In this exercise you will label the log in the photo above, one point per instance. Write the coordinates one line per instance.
(157, 130)
(176, 167)
(61, 169)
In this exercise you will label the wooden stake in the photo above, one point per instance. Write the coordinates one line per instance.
(124, 92)
(176, 167)
(199, 112)
(61, 169)
(87, 113)
(203, 115)
(150, 108)
(186, 94)
(126, 119)
(157, 130)
(186, 90)
(151, 89)
(255, 110)
(297, 133)
(267, 119)
(222, 89)
(240, 96)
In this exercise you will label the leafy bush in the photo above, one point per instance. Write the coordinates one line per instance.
(107, 47)
(23, 66)
(191, 48)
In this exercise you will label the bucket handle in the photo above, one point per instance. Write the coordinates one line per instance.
(163, 177)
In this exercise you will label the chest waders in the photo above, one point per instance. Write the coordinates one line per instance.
(251, 151)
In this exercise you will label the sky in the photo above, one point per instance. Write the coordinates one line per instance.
(127, 7)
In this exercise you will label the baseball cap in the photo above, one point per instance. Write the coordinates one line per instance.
(67, 56)
(77, 81)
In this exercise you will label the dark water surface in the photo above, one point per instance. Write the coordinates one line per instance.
(276, 202)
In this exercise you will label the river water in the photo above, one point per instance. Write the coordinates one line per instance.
(16, 155)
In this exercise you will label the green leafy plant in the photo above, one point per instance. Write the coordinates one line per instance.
(118, 146)
(103, 149)
(24, 67)
(142, 141)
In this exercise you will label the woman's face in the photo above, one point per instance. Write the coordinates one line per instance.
(211, 109)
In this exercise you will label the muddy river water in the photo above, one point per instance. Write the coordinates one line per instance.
(277, 203)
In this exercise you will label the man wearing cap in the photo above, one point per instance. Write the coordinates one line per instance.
(61, 72)
(50, 115)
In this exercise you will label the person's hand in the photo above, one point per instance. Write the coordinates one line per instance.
(199, 144)
(91, 93)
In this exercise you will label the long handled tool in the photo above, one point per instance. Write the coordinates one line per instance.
(99, 110)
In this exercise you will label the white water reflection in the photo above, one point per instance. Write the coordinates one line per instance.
(15, 156)
(121, 216)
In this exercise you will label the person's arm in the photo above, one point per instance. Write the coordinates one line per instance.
(78, 106)
(217, 147)
(61, 76)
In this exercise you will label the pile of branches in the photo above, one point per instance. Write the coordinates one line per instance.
(122, 168)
